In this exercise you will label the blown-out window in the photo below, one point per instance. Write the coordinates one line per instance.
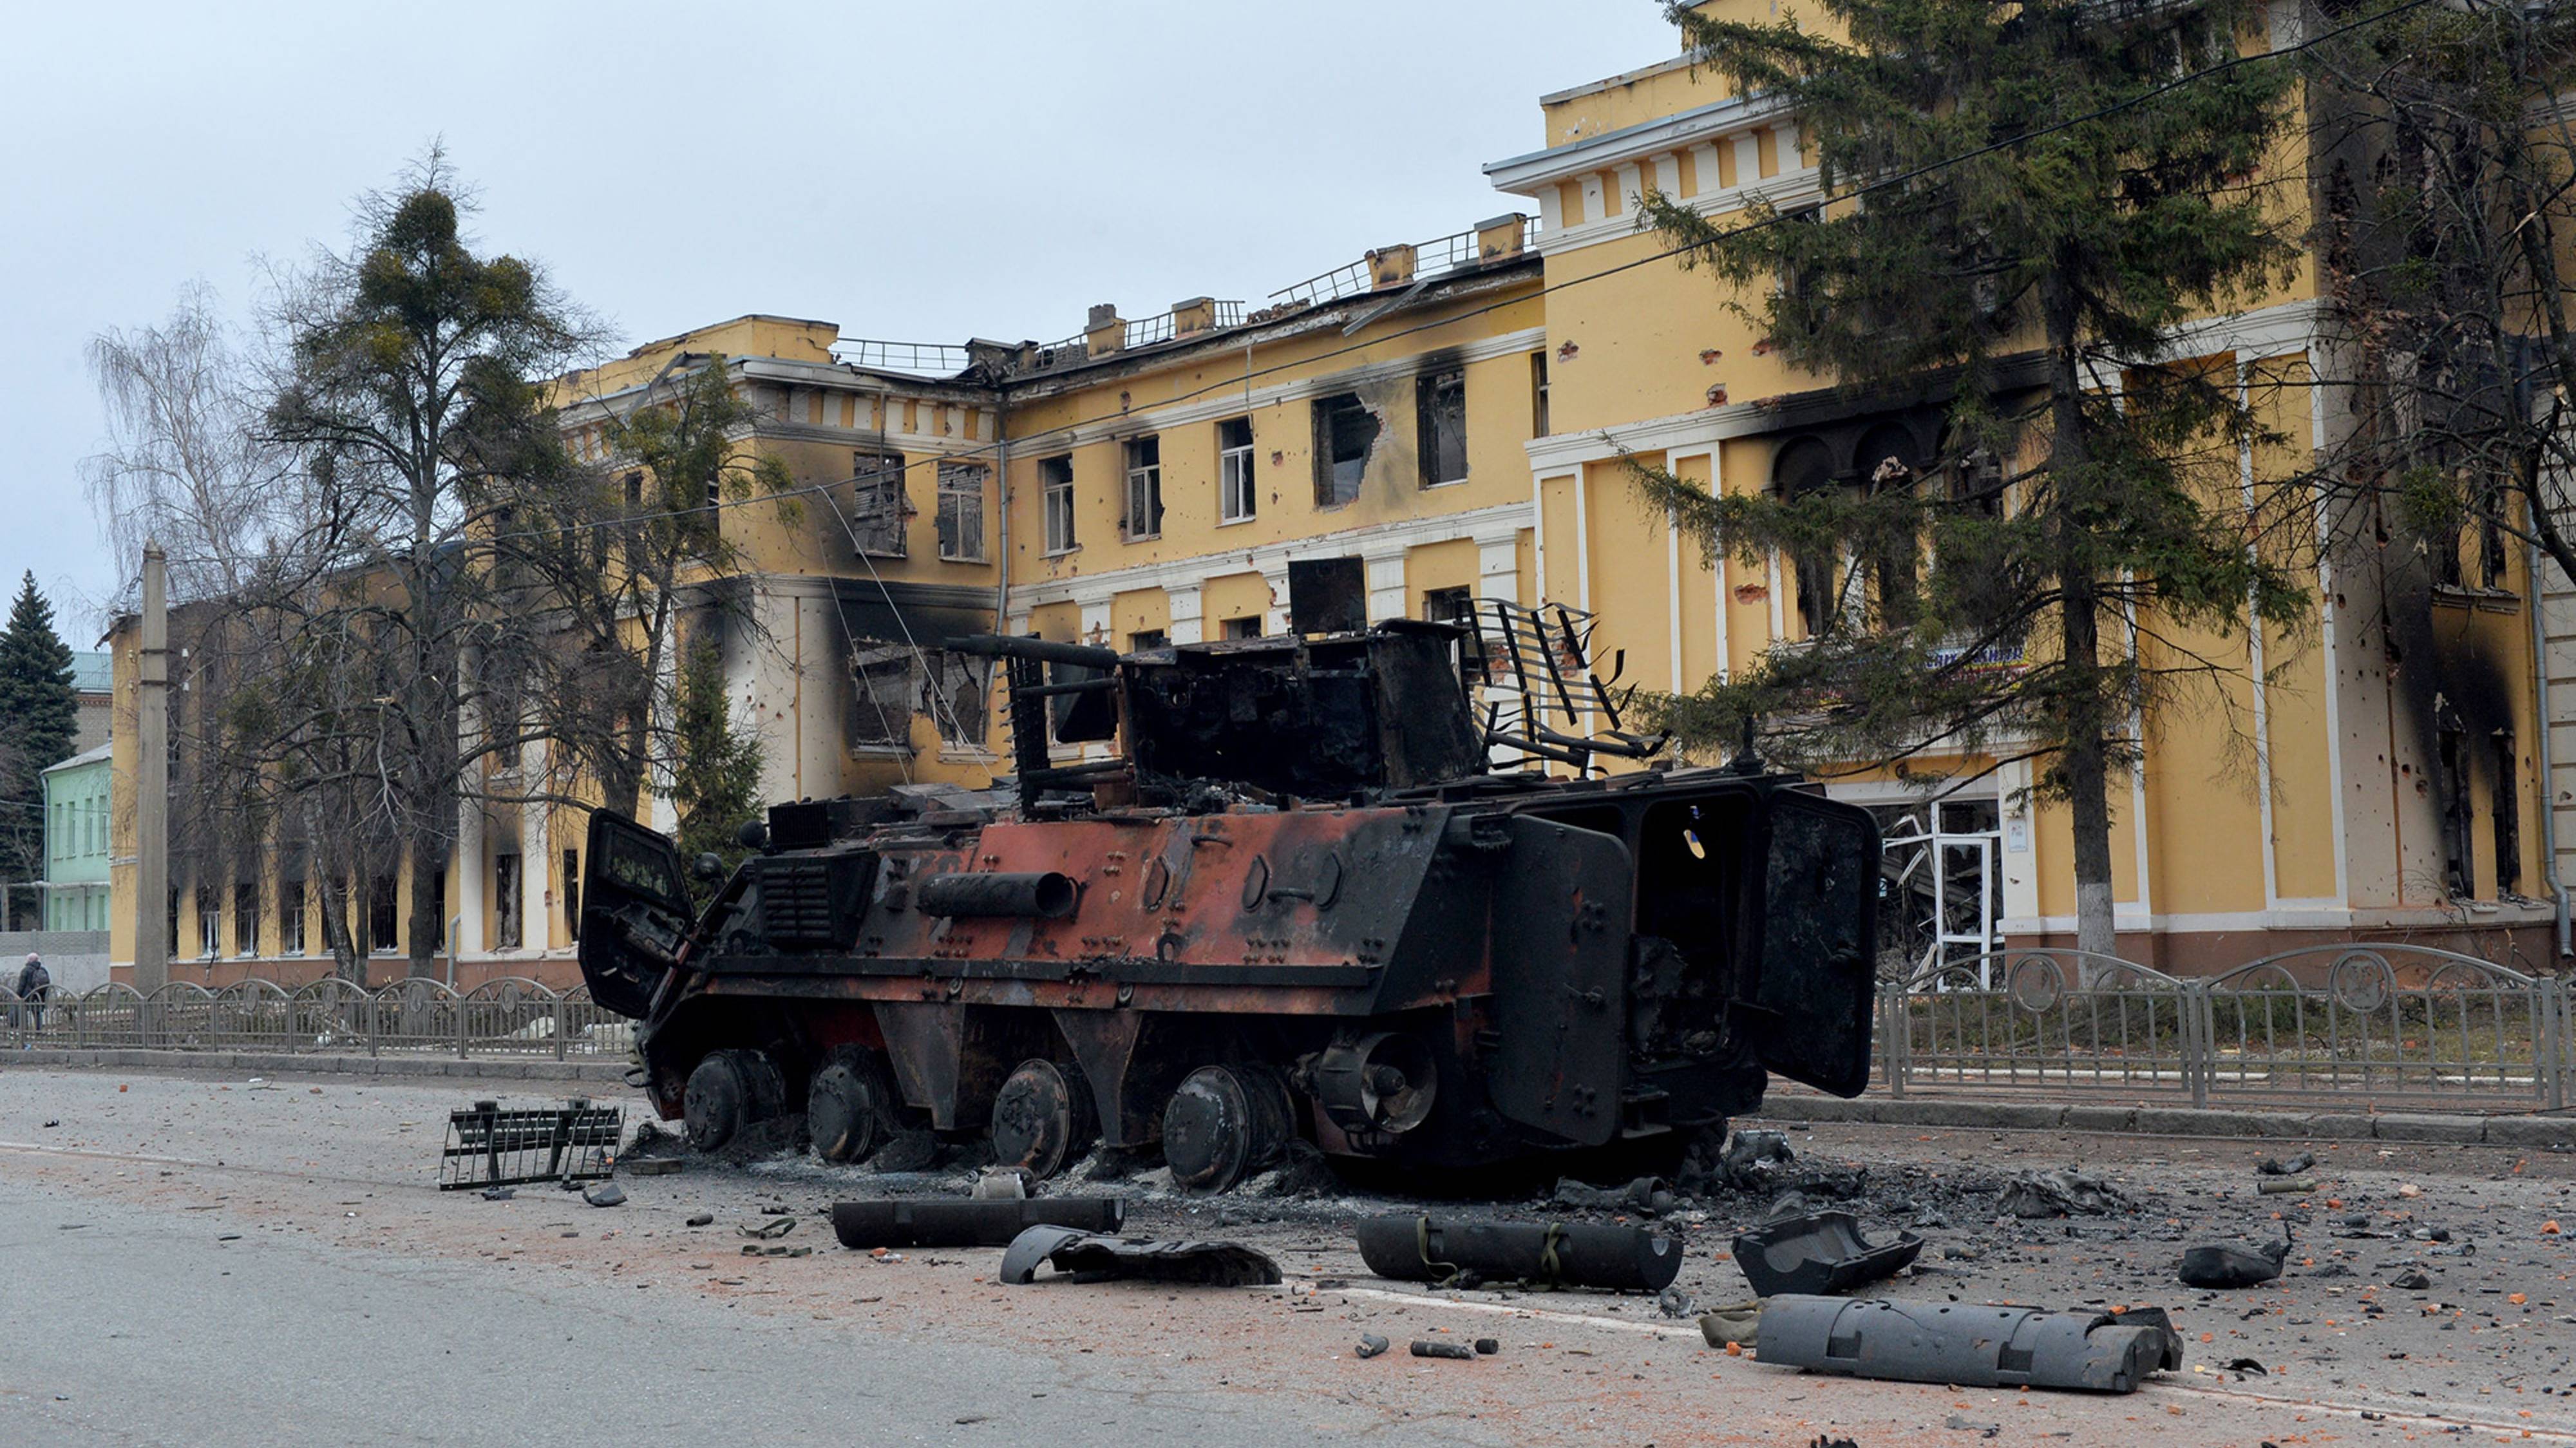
(1234, 496)
(1440, 403)
(961, 511)
(1055, 481)
(1144, 489)
(877, 506)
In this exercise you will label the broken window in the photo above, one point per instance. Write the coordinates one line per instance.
(634, 490)
(290, 917)
(506, 897)
(877, 505)
(961, 512)
(1805, 467)
(1440, 407)
(1887, 463)
(1345, 430)
(1235, 501)
(2445, 548)
(2490, 552)
(1538, 394)
(382, 926)
(1458, 605)
(2459, 874)
(2505, 810)
(210, 922)
(1144, 489)
(880, 714)
(954, 693)
(1147, 638)
(246, 919)
(1055, 481)
(1246, 627)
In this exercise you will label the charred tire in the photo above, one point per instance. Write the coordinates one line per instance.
(1043, 1118)
(728, 1091)
(850, 1106)
(1225, 1123)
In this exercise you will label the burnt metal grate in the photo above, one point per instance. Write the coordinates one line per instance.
(490, 1147)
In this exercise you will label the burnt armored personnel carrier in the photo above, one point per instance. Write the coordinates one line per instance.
(1292, 898)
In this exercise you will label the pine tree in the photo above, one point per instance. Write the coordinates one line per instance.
(39, 715)
(2046, 204)
(716, 776)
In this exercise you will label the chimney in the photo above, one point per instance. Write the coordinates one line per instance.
(1501, 238)
(1390, 266)
(1106, 332)
(1198, 314)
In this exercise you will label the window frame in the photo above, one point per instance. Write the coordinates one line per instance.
(1142, 457)
(1052, 488)
(1238, 498)
(887, 479)
(246, 903)
(961, 501)
(1429, 390)
(291, 923)
(509, 900)
(1328, 412)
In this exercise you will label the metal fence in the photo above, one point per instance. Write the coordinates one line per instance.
(2396, 1023)
(512, 1017)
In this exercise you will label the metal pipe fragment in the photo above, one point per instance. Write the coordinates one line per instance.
(1976, 1347)
(883, 1223)
(1566, 1254)
(1040, 894)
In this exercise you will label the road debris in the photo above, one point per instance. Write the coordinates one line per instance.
(774, 1227)
(702, 1219)
(1370, 1345)
(1433, 1348)
(1751, 1157)
(1735, 1325)
(1646, 1194)
(1819, 1252)
(2410, 1280)
(650, 1166)
(2295, 1186)
(1002, 1184)
(2063, 1193)
(499, 1194)
(893, 1222)
(2272, 1166)
(1086, 1254)
(488, 1146)
(1488, 1346)
(1980, 1347)
(1965, 1424)
(606, 1194)
(1556, 1254)
(2231, 1264)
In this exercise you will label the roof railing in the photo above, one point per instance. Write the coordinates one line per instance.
(927, 359)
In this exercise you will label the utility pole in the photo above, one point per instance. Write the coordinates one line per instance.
(152, 781)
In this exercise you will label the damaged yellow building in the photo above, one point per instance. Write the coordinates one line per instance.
(1458, 414)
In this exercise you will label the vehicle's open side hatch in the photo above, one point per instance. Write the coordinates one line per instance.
(634, 912)
(1813, 997)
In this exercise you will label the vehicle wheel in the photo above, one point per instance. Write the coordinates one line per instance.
(727, 1092)
(850, 1106)
(1043, 1119)
(1225, 1123)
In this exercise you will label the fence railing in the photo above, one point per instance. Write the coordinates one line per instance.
(2393, 1022)
(512, 1017)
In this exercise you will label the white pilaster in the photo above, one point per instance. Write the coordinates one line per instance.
(1386, 595)
(537, 928)
(1189, 614)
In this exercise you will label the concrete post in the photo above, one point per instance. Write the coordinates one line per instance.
(152, 780)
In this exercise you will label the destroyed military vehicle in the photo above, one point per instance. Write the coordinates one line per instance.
(1245, 892)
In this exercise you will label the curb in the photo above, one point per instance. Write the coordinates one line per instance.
(269, 1063)
(2558, 1132)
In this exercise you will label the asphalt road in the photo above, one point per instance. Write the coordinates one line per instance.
(202, 1261)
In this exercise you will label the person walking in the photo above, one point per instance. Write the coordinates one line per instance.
(35, 983)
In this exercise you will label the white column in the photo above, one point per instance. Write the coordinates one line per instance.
(1594, 208)
(1705, 175)
(472, 865)
(1386, 594)
(1498, 568)
(1189, 614)
(1668, 175)
(536, 897)
(1748, 159)
(1632, 182)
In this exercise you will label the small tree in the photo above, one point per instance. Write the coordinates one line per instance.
(2029, 590)
(716, 770)
(39, 717)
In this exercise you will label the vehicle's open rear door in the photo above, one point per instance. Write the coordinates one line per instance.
(634, 912)
(1815, 993)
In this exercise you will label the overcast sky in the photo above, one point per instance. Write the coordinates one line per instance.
(923, 172)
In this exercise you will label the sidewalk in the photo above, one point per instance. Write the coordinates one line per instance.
(272, 1063)
(2304, 1123)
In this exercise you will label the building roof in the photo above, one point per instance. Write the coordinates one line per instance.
(93, 756)
(93, 672)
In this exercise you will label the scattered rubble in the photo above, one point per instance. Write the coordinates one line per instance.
(606, 1194)
(1370, 1345)
(2272, 1166)
(1430, 1348)
(774, 1227)
(1819, 1252)
(1647, 1194)
(2221, 1265)
(2065, 1192)
(1736, 1325)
